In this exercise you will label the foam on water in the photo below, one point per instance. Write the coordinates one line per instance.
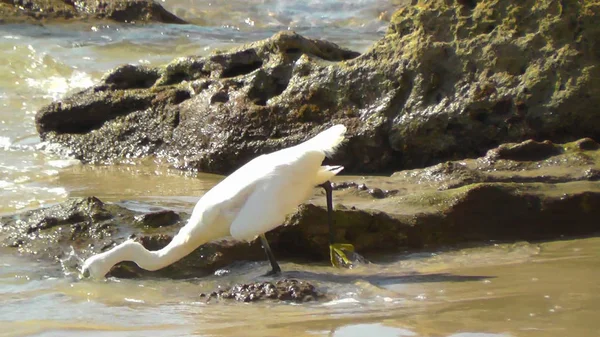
(5, 143)
(62, 163)
(375, 329)
(55, 87)
(5, 184)
(342, 301)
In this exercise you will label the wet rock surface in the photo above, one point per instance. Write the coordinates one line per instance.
(48, 232)
(289, 290)
(450, 79)
(473, 200)
(48, 11)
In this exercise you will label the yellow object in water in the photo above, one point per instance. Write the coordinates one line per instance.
(338, 254)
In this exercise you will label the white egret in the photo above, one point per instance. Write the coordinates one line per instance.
(251, 201)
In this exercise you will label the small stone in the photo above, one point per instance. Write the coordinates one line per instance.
(377, 193)
(587, 144)
(157, 219)
(529, 150)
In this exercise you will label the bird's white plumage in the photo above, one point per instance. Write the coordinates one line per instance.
(277, 194)
(253, 200)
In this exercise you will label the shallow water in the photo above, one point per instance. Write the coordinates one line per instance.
(518, 289)
(523, 289)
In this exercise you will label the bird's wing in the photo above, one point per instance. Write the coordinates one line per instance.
(266, 207)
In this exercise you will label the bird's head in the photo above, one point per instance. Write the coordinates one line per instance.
(95, 267)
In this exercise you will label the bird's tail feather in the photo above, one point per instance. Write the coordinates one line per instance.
(328, 140)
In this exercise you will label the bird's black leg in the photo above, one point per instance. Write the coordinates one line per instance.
(329, 195)
(275, 269)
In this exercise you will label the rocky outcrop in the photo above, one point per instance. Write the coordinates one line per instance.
(211, 114)
(451, 79)
(129, 11)
(522, 191)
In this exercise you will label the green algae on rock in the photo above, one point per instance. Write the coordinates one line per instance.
(136, 11)
(450, 79)
(488, 72)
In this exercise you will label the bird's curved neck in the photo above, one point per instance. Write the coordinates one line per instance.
(145, 259)
(186, 241)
